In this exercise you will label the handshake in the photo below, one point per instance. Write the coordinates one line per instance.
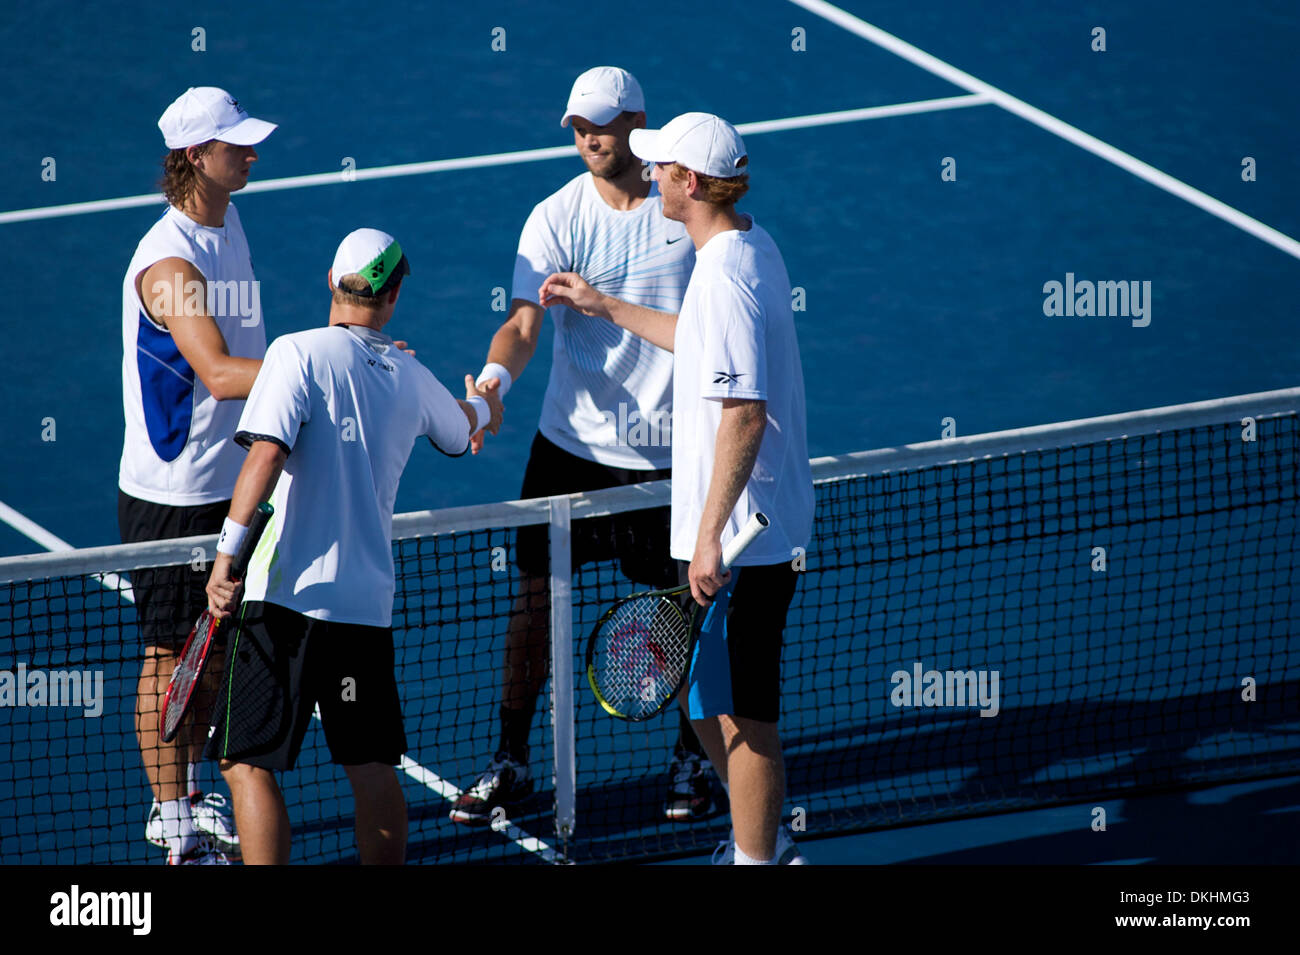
(490, 388)
(562, 288)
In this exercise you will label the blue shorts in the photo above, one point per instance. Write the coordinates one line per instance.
(736, 668)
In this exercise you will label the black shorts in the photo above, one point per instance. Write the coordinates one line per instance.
(639, 539)
(167, 599)
(743, 678)
(280, 665)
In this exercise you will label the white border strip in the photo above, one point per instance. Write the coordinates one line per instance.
(493, 159)
(122, 557)
(562, 704)
(1051, 436)
(1012, 104)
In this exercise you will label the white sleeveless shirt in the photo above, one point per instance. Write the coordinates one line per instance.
(179, 446)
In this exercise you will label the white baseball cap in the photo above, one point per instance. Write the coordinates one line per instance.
(702, 142)
(602, 93)
(375, 256)
(202, 113)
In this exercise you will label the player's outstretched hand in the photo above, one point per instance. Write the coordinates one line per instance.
(489, 391)
(569, 288)
(402, 346)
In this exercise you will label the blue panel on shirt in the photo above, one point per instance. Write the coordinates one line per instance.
(166, 389)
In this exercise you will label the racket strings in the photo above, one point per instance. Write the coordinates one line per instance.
(641, 654)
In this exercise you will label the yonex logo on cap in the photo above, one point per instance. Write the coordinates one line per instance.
(373, 255)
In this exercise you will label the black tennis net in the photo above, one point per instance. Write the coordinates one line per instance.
(1008, 621)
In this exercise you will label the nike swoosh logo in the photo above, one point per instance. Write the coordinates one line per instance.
(678, 239)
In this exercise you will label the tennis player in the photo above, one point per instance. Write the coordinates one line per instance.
(192, 341)
(606, 415)
(329, 426)
(739, 446)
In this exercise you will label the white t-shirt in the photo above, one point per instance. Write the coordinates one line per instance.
(348, 406)
(178, 447)
(609, 397)
(736, 339)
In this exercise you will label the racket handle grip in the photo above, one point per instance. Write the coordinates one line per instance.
(255, 527)
(736, 546)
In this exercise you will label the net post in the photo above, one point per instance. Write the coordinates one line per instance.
(562, 704)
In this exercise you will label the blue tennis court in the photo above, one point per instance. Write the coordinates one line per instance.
(922, 228)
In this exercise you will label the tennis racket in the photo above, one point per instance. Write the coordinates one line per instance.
(188, 673)
(639, 653)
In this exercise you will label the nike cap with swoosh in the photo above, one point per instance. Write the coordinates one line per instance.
(203, 113)
(701, 142)
(602, 93)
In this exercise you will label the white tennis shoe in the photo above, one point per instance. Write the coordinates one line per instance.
(211, 815)
(205, 852)
(787, 853)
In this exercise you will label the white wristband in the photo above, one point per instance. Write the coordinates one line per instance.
(232, 535)
(494, 370)
(481, 412)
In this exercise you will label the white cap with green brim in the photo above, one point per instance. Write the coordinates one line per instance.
(701, 142)
(374, 256)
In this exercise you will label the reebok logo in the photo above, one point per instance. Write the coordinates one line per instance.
(726, 378)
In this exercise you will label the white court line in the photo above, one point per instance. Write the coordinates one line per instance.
(1053, 125)
(449, 792)
(494, 159)
(29, 528)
